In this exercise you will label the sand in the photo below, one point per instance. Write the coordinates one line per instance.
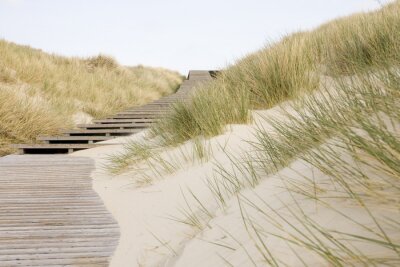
(151, 215)
(144, 213)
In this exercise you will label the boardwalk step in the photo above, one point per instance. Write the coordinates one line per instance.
(141, 112)
(106, 121)
(115, 126)
(136, 116)
(151, 107)
(73, 139)
(104, 132)
(52, 148)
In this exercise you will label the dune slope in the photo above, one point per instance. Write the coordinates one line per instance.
(311, 179)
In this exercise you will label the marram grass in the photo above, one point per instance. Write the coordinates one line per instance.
(348, 134)
(41, 93)
(345, 83)
(285, 70)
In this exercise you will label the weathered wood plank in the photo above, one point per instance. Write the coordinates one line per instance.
(94, 261)
(47, 146)
(117, 126)
(73, 138)
(118, 121)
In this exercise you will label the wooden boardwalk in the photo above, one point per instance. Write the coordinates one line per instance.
(123, 123)
(49, 213)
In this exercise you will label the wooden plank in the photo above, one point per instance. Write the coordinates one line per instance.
(129, 112)
(106, 121)
(114, 125)
(111, 132)
(135, 116)
(59, 146)
(73, 138)
(93, 261)
(56, 245)
(153, 108)
(152, 105)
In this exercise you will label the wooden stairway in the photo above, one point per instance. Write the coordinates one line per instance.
(50, 214)
(123, 123)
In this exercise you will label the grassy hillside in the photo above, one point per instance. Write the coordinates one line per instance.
(40, 93)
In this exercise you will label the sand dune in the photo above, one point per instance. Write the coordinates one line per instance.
(152, 216)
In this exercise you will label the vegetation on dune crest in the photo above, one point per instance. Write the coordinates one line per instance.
(336, 155)
(320, 185)
(40, 93)
(339, 152)
(285, 70)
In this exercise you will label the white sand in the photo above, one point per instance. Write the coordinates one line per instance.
(142, 212)
(149, 237)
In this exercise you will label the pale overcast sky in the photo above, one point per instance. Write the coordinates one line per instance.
(176, 34)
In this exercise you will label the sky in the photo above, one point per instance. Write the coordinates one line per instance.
(175, 34)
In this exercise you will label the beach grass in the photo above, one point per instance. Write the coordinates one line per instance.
(41, 93)
(286, 70)
(334, 151)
